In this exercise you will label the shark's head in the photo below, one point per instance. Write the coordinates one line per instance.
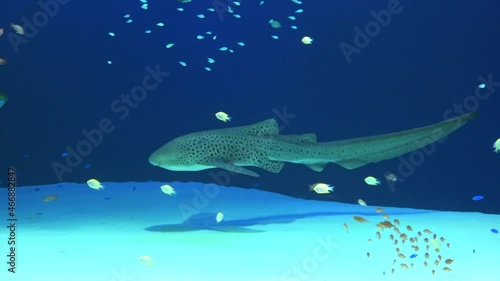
(181, 154)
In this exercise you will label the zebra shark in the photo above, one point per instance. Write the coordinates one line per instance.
(261, 145)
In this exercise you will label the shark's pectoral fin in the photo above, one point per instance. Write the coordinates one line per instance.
(232, 168)
(317, 167)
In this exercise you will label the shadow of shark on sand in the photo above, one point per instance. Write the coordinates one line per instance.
(206, 221)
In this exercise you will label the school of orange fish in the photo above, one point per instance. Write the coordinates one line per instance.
(407, 246)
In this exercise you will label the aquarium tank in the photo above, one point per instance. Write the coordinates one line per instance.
(292, 140)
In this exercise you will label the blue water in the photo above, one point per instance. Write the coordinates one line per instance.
(423, 63)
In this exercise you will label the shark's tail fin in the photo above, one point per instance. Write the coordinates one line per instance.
(358, 152)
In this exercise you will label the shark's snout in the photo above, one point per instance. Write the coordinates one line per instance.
(153, 159)
(162, 158)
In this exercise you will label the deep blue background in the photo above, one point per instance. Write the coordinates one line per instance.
(426, 60)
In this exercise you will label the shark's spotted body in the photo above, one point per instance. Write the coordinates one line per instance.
(260, 145)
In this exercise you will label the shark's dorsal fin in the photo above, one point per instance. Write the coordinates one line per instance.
(305, 139)
(266, 128)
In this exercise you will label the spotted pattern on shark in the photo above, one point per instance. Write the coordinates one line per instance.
(261, 145)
